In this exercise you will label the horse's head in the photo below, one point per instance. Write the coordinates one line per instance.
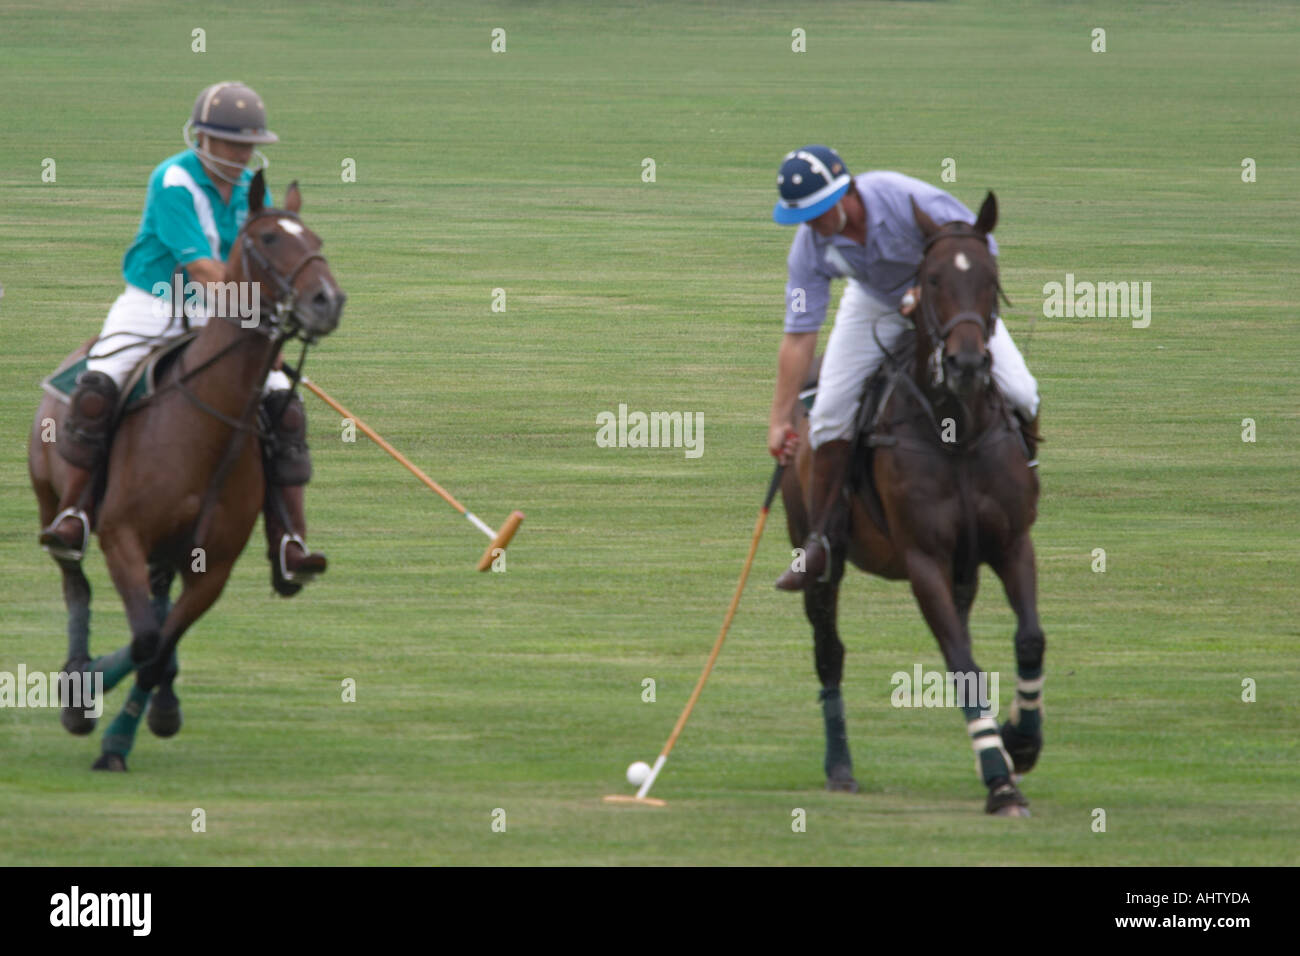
(298, 293)
(958, 278)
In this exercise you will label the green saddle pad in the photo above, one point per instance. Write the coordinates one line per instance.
(64, 381)
(141, 383)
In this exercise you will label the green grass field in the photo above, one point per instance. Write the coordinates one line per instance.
(522, 691)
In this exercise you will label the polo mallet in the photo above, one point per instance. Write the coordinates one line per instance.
(640, 797)
(499, 538)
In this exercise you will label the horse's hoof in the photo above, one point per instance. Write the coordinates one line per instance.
(115, 762)
(1005, 800)
(840, 780)
(74, 719)
(164, 716)
(1023, 748)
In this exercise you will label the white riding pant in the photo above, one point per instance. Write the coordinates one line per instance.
(136, 324)
(852, 355)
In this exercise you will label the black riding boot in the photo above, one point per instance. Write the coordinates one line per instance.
(292, 565)
(1029, 431)
(85, 440)
(830, 462)
(288, 469)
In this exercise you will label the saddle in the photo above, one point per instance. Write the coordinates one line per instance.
(139, 386)
(871, 431)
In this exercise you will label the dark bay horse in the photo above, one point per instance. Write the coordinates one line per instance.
(184, 482)
(943, 485)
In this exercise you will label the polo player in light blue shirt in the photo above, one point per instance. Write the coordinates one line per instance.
(860, 228)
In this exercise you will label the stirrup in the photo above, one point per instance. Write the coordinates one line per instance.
(285, 541)
(60, 551)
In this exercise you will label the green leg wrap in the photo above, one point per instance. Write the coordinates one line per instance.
(115, 666)
(120, 735)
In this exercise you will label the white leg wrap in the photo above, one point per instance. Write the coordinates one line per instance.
(990, 738)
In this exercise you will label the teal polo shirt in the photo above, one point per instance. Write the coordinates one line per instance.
(184, 219)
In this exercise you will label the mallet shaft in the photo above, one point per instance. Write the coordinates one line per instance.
(499, 539)
(402, 459)
(722, 635)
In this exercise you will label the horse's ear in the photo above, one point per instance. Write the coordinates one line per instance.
(988, 217)
(257, 192)
(293, 198)
(924, 222)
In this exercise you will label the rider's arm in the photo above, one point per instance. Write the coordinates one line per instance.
(807, 295)
(204, 271)
(792, 364)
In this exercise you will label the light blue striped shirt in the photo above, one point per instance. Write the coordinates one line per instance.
(886, 264)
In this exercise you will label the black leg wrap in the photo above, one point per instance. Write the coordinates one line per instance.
(288, 461)
(839, 765)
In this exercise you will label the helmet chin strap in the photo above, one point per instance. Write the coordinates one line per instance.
(187, 131)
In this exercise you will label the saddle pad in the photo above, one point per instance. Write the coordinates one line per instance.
(141, 383)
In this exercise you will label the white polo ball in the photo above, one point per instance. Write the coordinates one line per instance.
(638, 773)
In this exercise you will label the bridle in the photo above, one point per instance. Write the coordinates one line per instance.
(938, 332)
(285, 295)
(283, 328)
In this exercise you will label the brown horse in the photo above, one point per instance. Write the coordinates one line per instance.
(942, 485)
(184, 482)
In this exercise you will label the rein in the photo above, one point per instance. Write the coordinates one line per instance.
(958, 452)
(938, 333)
(282, 331)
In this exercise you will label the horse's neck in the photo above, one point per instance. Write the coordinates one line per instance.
(239, 360)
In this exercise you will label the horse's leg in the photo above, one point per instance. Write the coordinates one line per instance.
(821, 601)
(118, 664)
(1022, 734)
(129, 568)
(76, 595)
(965, 582)
(76, 588)
(199, 592)
(164, 715)
(933, 587)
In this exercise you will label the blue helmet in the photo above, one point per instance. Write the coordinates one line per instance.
(811, 180)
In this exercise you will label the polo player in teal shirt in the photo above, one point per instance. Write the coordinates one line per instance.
(197, 202)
